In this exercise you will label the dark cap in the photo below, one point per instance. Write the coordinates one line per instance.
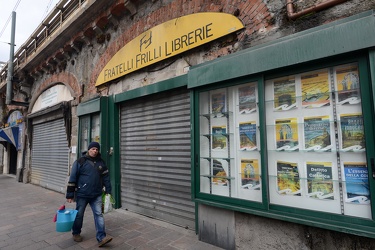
(94, 144)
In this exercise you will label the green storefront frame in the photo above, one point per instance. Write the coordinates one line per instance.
(308, 50)
(299, 51)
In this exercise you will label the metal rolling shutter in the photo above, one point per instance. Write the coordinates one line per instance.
(155, 157)
(50, 155)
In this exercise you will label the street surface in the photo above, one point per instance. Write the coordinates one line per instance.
(26, 222)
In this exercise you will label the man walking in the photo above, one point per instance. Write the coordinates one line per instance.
(89, 175)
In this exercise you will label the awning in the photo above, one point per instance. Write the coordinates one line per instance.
(10, 135)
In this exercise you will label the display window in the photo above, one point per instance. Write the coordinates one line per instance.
(316, 148)
(295, 143)
(229, 151)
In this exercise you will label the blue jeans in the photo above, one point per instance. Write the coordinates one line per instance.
(96, 207)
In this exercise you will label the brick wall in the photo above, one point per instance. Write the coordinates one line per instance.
(254, 14)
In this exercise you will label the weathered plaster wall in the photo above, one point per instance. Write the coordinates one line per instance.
(264, 21)
(235, 230)
(151, 14)
(254, 232)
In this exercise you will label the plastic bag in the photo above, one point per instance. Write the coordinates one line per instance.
(108, 203)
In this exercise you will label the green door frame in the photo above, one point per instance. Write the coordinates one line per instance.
(109, 132)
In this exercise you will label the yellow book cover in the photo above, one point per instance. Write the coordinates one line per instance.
(219, 173)
(288, 181)
(315, 90)
(347, 80)
(250, 177)
(286, 130)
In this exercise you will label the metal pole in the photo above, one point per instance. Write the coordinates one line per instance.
(9, 93)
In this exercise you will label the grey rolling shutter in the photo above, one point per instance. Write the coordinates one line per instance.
(155, 157)
(50, 155)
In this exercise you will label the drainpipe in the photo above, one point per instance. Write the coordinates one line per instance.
(8, 100)
(294, 15)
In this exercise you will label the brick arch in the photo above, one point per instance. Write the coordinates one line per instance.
(253, 14)
(68, 79)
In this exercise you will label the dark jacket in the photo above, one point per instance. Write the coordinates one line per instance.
(88, 177)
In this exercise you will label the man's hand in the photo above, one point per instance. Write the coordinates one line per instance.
(69, 200)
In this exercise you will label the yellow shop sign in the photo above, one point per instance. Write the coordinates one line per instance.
(166, 40)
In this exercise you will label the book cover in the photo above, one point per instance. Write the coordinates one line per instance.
(218, 103)
(286, 134)
(284, 94)
(250, 178)
(317, 134)
(288, 181)
(219, 173)
(247, 99)
(219, 139)
(356, 183)
(352, 132)
(315, 90)
(319, 180)
(347, 80)
(248, 138)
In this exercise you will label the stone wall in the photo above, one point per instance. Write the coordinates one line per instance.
(254, 232)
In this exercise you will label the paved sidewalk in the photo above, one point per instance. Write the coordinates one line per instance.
(26, 222)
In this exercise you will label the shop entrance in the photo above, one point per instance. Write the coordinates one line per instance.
(12, 159)
(155, 157)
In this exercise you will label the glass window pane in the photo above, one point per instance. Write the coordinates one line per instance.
(229, 148)
(95, 128)
(315, 142)
(84, 133)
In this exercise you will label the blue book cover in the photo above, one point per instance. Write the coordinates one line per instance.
(356, 183)
(248, 138)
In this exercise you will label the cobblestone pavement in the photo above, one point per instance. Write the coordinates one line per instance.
(26, 222)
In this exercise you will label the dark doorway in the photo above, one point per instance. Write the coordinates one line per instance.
(12, 159)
